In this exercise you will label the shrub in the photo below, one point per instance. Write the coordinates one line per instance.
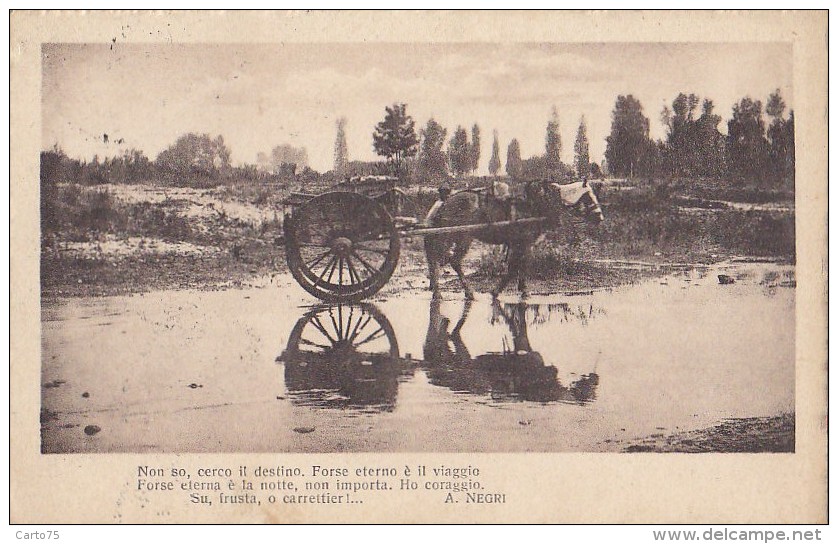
(81, 213)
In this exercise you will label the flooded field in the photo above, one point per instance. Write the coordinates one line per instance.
(261, 370)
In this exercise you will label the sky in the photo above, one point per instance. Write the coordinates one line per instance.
(258, 96)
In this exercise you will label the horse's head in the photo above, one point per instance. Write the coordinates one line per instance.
(579, 198)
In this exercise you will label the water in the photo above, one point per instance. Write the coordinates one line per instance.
(256, 370)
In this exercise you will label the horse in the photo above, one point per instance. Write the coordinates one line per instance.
(548, 200)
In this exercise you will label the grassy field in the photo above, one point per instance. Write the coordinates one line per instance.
(100, 241)
(649, 225)
(105, 240)
(647, 221)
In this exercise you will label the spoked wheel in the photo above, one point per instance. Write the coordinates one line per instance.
(343, 356)
(356, 331)
(341, 247)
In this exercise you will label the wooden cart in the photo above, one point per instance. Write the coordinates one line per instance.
(343, 245)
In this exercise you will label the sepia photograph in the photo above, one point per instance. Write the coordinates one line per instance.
(391, 247)
(421, 247)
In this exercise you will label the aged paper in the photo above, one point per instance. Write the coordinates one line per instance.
(142, 392)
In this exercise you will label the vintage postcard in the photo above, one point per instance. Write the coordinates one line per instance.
(287, 267)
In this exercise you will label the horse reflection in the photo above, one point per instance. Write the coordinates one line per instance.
(344, 357)
(516, 373)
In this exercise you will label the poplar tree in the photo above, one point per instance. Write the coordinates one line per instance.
(494, 162)
(475, 148)
(341, 153)
(514, 164)
(582, 159)
(553, 146)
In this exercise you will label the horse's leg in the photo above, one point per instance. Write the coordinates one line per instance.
(523, 270)
(460, 250)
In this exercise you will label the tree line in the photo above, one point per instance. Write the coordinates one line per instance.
(429, 157)
(198, 160)
(694, 147)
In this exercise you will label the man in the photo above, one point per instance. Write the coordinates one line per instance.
(502, 195)
(444, 193)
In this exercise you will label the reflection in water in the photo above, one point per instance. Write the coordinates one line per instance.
(344, 357)
(516, 373)
(772, 280)
(347, 357)
(539, 314)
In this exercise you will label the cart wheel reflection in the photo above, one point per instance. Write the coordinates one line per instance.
(342, 333)
(343, 357)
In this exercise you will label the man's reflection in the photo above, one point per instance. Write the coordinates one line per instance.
(447, 359)
(344, 357)
(516, 373)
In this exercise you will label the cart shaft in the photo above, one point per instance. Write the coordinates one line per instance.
(459, 229)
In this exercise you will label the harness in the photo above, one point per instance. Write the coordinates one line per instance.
(499, 203)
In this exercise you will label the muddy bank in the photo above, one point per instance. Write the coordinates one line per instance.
(110, 274)
(745, 435)
(119, 239)
(256, 261)
(248, 262)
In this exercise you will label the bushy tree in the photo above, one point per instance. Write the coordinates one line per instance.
(53, 167)
(195, 155)
(694, 147)
(582, 158)
(514, 166)
(776, 106)
(131, 167)
(627, 148)
(459, 152)
(288, 154)
(494, 162)
(394, 137)
(341, 150)
(432, 164)
(780, 139)
(678, 144)
(284, 159)
(747, 147)
(534, 168)
(710, 143)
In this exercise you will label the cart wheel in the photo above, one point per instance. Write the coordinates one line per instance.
(341, 247)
